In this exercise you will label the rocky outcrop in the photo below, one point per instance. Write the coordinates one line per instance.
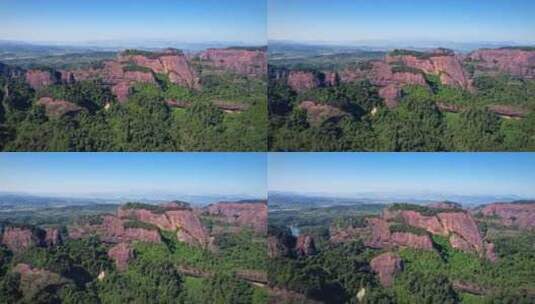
(177, 218)
(386, 266)
(382, 237)
(389, 80)
(515, 61)
(52, 237)
(301, 81)
(40, 78)
(250, 62)
(121, 254)
(305, 245)
(36, 280)
(251, 214)
(55, 108)
(519, 214)
(445, 205)
(276, 248)
(442, 63)
(170, 62)
(18, 239)
(463, 225)
(318, 113)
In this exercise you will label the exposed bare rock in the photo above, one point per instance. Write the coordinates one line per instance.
(35, 280)
(58, 108)
(276, 248)
(508, 111)
(381, 237)
(381, 74)
(121, 254)
(241, 61)
(172, 63)
(301, 81)
(39, 78)
(490, 252)
(444, 64)
(518, 62)
(248, 214)
(331, 79)
(19, 239)
(445, 205)
(318, 113)
(519, 214)
(305, 245)
(406, 239)
(121, 90)
(52, 237)
(181, 219)
(429, 223)
(462, 226)
(386, 266)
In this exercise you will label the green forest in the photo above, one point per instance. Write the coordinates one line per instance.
(143, 123)
(80, 271)
(417, 124)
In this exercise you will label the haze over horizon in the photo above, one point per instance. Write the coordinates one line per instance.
(346, 21)
(185, 21)
(163, 174)
(460, 174)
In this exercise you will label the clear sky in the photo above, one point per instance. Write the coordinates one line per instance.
(126, 173)
(398, 20)
(407, 173)
(181, 20)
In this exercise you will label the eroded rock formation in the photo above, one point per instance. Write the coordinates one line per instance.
(58, 108)
(386, 265)
(121, 254)
(305, 245)
(516, 61)
(519, 214)
(251, 214)
(318, 113)
(40, 78)
(250, 62)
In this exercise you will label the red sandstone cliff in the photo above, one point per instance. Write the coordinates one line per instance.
(241, 61)
(517, 62)
(40, 78)
(386, 265)
(58, 108)
(121, 254)
(247, 214)
(518, 214)
(305, 245)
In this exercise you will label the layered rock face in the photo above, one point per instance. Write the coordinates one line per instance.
(517, 62)
(39, 78)
(444, 64)
(247, 214)
(35, 280)
(172, 63)
(521, 215)
(113, 230)
(386, 266)
(305, 245)
(58, 107)
(457, 225)
(182, 219)
(121, 254)
(318, 113)
(381, 74)
(18, 239)
(241, 61)
(301, 81)
(382, 237)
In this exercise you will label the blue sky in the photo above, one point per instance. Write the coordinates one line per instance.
(406, 173)
(399, 20)
(126, 173)
(182, 20)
